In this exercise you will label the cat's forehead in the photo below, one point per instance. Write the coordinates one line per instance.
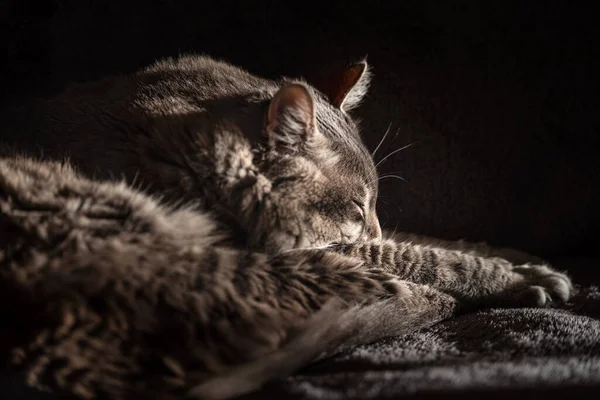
(354, 160)
(358, 164)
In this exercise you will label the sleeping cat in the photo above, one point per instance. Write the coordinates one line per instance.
(241, 243)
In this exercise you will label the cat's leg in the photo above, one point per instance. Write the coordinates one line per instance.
(479, 280)
(480, 249)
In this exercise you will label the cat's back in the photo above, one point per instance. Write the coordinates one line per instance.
(201, 75)
(93, 123)
(187, 81)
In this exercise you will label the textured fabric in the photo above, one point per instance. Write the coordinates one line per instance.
(533, 350)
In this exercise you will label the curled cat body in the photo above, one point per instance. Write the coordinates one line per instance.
(194, 129)
(194, 229)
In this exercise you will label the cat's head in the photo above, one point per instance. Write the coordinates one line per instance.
(320, 183)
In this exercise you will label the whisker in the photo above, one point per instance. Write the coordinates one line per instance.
(395, 229)
(389, 235)
(395, 204)
(386, 213)
(394, 152)
(390, 175)
(382, 139)
(396, 135)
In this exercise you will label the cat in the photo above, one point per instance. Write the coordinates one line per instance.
(239, 242)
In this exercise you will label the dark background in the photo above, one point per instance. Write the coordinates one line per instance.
(500, 97)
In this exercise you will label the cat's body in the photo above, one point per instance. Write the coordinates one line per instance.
(138, 297)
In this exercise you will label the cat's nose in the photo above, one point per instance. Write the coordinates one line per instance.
(374, 229)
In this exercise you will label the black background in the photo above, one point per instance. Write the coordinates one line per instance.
(501, 97)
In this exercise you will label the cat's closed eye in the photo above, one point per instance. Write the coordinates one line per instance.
(361, 207)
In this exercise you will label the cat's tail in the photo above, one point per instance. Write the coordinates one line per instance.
(332, 329)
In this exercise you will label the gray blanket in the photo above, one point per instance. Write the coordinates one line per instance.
(533, 351)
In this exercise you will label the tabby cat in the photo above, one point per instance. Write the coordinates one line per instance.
(210, 231)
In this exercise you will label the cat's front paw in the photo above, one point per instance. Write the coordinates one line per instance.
(539, 286)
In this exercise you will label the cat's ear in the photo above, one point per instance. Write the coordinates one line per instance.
(290, 121)
(346, 87)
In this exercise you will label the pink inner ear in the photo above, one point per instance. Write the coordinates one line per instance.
(337, 86)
